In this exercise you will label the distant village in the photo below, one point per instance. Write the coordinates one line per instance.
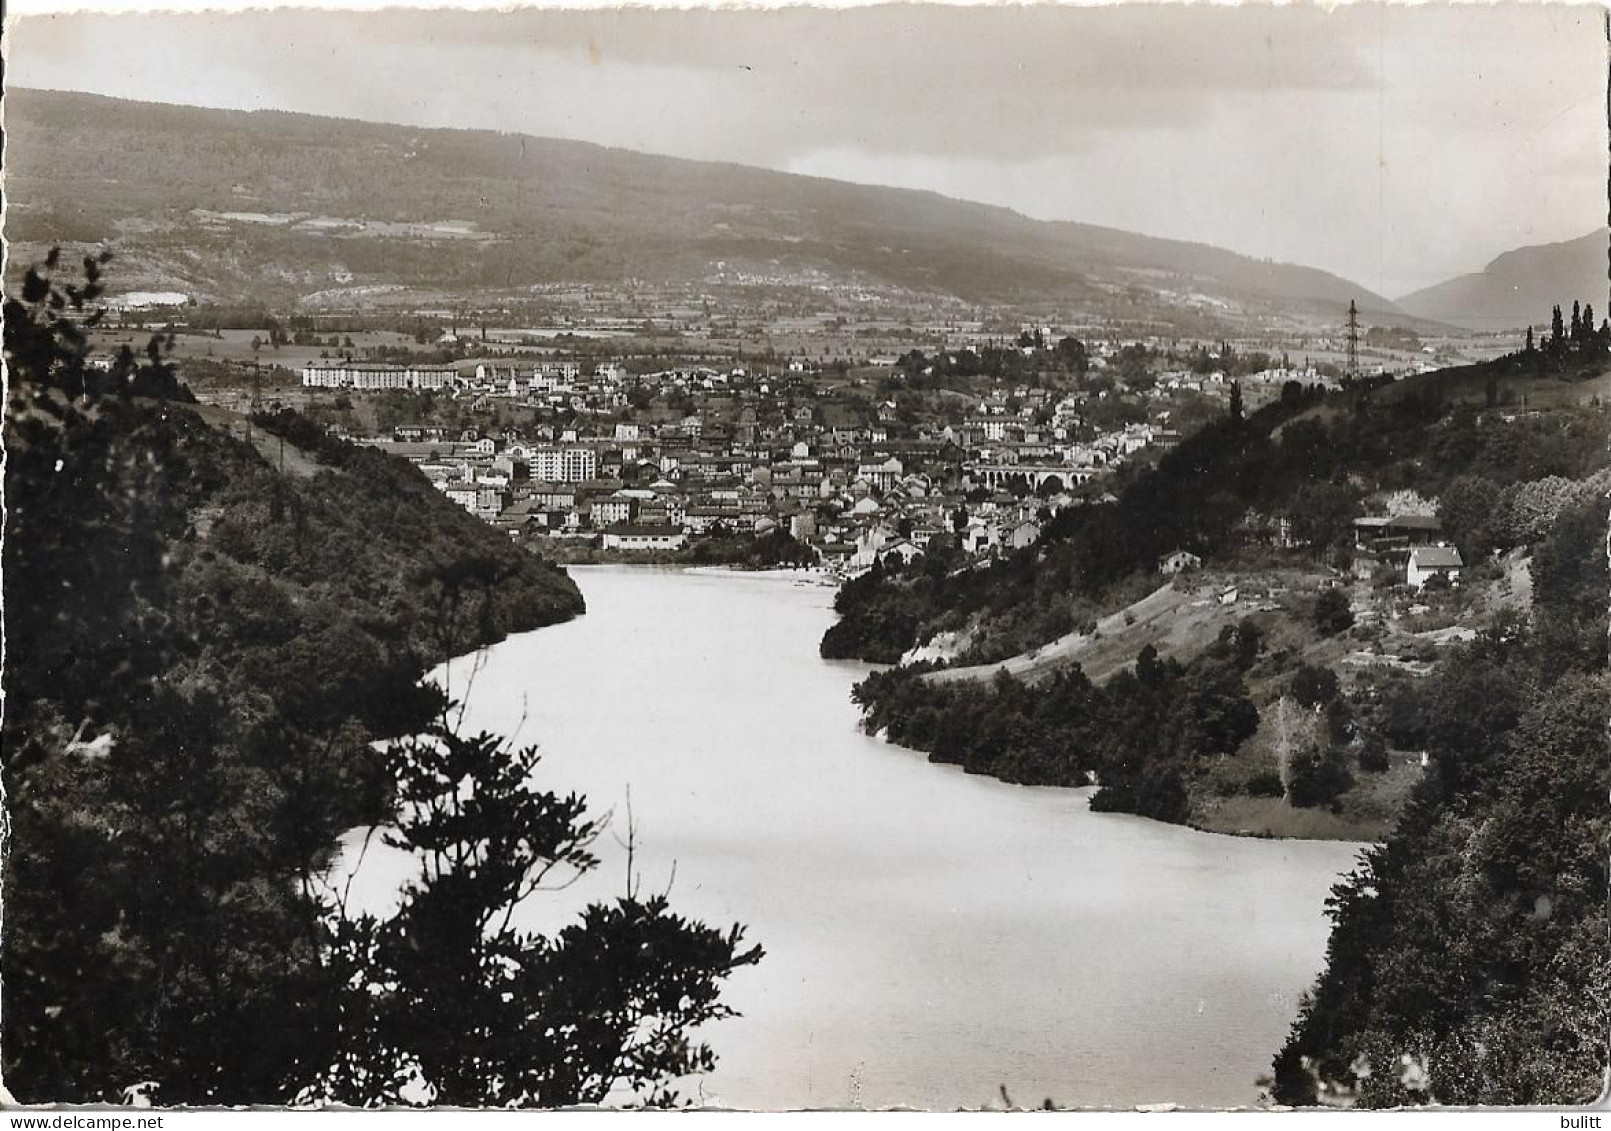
(853, 492)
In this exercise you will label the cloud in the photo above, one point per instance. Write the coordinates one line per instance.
(903, 79)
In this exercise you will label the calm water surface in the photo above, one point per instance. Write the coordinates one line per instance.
(930, 936)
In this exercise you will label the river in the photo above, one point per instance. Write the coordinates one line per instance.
(930, 937)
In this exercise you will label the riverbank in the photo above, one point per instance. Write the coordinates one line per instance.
(1263, 738)
(1256, 818)
(1270, 818)
(930, 936)
(799, 575)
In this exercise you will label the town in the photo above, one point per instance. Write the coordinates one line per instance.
(852, 469)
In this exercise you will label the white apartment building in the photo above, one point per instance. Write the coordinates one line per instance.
(349, 375)
(564, 464)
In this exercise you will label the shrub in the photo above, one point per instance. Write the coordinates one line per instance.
(1265, 783)
(1316, 777)
(1403, 715)
(1332, 612)
(1313, 686)
(1373, 757)
(1386, 577)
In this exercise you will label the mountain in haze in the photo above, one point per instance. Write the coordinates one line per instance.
(278, 207)
(1520, 287)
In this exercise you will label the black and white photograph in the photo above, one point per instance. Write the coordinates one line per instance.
(908, 556)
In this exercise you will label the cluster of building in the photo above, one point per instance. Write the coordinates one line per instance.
(855, 486)
(562, 377)
(1411, 546)
(1411, 543)
(1257, 388)
(853, 492)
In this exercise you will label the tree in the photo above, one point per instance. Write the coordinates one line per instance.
(1248, 640)
(1071, 353)
(1316, 776)
(1468, 507)
(1332, 613)
(1530, 346)
(1557, 330)
(448, 1002)
(162, 940)
(1314, 686)
(1220, 716)
(1150, 672)
(1373, 758)
(1322, 515)
(1236, 402)
(47, 342)
(1461, 943)
(1133, 364)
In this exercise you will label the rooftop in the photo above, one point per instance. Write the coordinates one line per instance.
(1436, 557)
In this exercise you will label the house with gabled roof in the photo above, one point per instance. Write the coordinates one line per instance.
(1427, 562)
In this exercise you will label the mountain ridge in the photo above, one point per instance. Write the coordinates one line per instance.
(538, 210)
(1518, 287)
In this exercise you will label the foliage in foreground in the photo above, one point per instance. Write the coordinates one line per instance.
(449, 1002)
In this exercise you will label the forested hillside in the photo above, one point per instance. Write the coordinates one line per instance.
(202, 650)
(1308, 460)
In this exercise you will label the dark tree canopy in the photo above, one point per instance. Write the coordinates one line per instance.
(1332, 613)
(447, 1002)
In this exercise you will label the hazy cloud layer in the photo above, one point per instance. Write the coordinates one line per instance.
(1394, 145)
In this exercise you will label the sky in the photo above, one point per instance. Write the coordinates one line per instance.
(1395, 145)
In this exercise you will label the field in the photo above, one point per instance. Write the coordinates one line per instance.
(1179, 619)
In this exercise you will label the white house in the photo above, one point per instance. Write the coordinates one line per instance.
(902, 549)
(979, 536)
(1021, 534)
(871, 544)
(1427, 562)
